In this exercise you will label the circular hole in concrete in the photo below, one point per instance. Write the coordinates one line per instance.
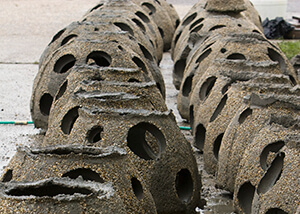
(99, 58)
(276, 57)
(57, 35)
(142, 16)
(149, 7)
(179, 68)
(198, 21)
(69, 120)
(177, 37)
(133, 80)
(162, 34)
(245, 197)
(225, 88)
(94, 135)
(139, 24)
(64, 63)
(272, 175)
(96, 7)
(187, 85)
(45, 104)
(85, 174)
(276, 211)
(146, 141)
(140, 64)
(191, 117)
(236, 56)
(216, 27)
(217, 145)
(207, 87)
(239, 25)
(124, 27)
(67, 39)
(292, 79)
(137, 188)
(62, 90)
(200, 136)
(146, 53)
(197, 28)
(223, 50)
(203, 55)
(270, 148)
(189, 19)
(184, 185)
(219, 108)
(243, 116)
(7, 176)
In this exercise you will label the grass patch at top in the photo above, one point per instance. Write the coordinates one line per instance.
(290, 48)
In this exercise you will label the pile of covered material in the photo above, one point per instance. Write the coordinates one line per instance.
(111, 145)
(242, 99)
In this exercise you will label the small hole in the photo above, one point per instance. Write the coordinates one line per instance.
(146, 53)
(56, 36)
(184, 185)
(200, 136)
(140, 64)
(276, 211)
(225, 88)
(246, 113)
(120, 48)
(191, 115)
(161, 32)
(272, 147)
(177, 23)
(223, 50)
(7, 176)
(67, 39)
(133, 80)
(189, 19)
(96, 29)
(146, 141)
(236, 56)
(94, 135)
(256, 31)
(179, 68)
(187, 86)
(245, 197)
(45, 104)
(196, 23)
(62, 90)
(292, 79)
(197, 29)
(157, 2)
(272, 175)
(150, 7)
(137, 188)
(203, 56)
(69, 120)
(124, 27)
(96, 7)
(142, 16)
(219, 108)
(49, 189)
(217, 145)
(239, 25)
(85, 174)
(64, 63)
(207, 87)
(177, 37)
(276, 57)
(207, 46)
(139, 24)
(217, 27)
(99, 58)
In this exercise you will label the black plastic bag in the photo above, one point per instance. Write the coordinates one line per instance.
(276, 28)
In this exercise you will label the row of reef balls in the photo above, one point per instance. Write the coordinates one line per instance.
(242, 99)
(111, 144)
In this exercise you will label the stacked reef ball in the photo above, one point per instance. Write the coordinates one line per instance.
(111, 144)
(242, 99)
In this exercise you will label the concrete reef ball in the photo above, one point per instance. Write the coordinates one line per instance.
(111, 145)
(241, 97)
